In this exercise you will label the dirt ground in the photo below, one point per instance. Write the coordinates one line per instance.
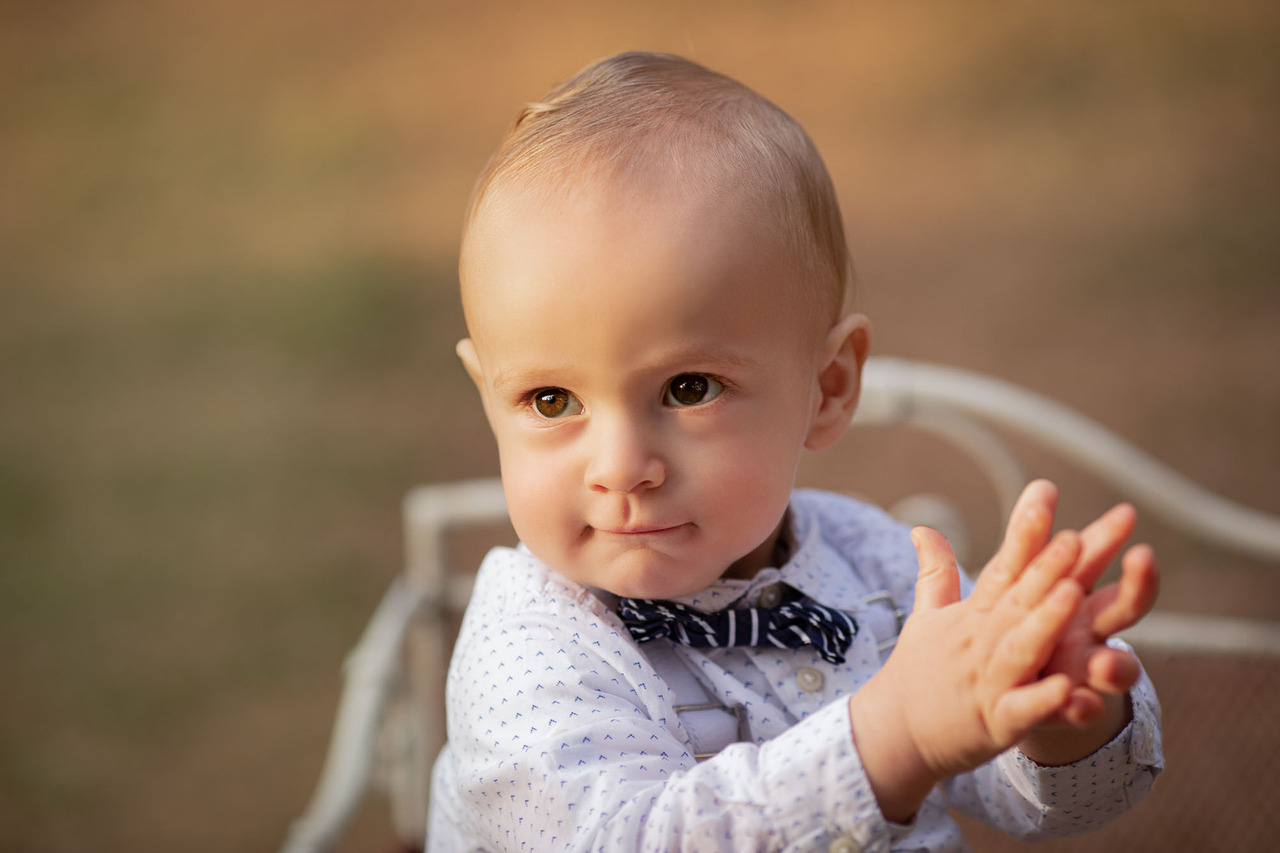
(227, 313)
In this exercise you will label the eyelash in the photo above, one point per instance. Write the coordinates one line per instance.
(714, 386)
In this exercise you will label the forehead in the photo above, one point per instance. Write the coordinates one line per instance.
(643, 250)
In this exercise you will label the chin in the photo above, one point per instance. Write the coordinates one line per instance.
(653, 578)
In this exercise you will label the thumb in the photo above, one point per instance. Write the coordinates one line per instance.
(938, 583)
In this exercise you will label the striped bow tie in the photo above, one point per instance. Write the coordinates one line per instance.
(790, 625)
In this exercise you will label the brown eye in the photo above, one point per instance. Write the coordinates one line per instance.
(691, 389)
(554, 403)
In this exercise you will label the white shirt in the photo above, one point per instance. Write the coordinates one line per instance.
(564, 733)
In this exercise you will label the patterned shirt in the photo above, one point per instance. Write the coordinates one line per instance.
(565, 734)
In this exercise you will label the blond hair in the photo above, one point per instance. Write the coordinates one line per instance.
(634, 113)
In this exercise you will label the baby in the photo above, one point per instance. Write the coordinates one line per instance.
(684, 652)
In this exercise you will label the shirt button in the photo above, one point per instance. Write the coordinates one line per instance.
(809, 679)
(771, 596)
(844, 844)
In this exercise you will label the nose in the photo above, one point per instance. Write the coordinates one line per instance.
(624, 458)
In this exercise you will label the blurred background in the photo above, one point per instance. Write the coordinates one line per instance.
(227, 315)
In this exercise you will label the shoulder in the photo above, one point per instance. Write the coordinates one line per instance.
(532, 643)
(513, 579)
(526, 617)
(515, 591)
(875, 544)
(851, 524)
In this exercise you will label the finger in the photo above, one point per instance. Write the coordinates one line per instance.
(1029, 526)
(1025, 649)
(1102, 540)
(1121, 605)
(1051, 565)
(1112, 670)
(1098, 667)
(1021, 709)
(938, 582)
(1083, 707)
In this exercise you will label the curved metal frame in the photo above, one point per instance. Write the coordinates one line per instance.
(897, 391)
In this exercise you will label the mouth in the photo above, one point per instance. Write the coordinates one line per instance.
(640, 530)
(645, 530)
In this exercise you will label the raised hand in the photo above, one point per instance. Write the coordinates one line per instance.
(1101, 676)
(967, 679)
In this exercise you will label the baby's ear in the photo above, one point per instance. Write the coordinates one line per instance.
(839, 380)
(466, 351)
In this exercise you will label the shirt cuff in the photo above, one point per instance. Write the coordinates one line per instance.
(819, 795)
(1112, 780)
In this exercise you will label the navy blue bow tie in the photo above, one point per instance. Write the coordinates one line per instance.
(790, 625)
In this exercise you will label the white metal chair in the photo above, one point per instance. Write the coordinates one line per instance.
(390, 722)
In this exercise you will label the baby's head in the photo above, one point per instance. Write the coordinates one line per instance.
(653, 273)
(640, 121)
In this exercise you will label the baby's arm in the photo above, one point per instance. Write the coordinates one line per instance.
(970, 678)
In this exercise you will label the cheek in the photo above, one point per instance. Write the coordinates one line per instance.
(749, 476)
(537, 490)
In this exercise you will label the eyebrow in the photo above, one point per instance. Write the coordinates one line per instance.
(691, 360)
(701, 356)
(521, 378)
